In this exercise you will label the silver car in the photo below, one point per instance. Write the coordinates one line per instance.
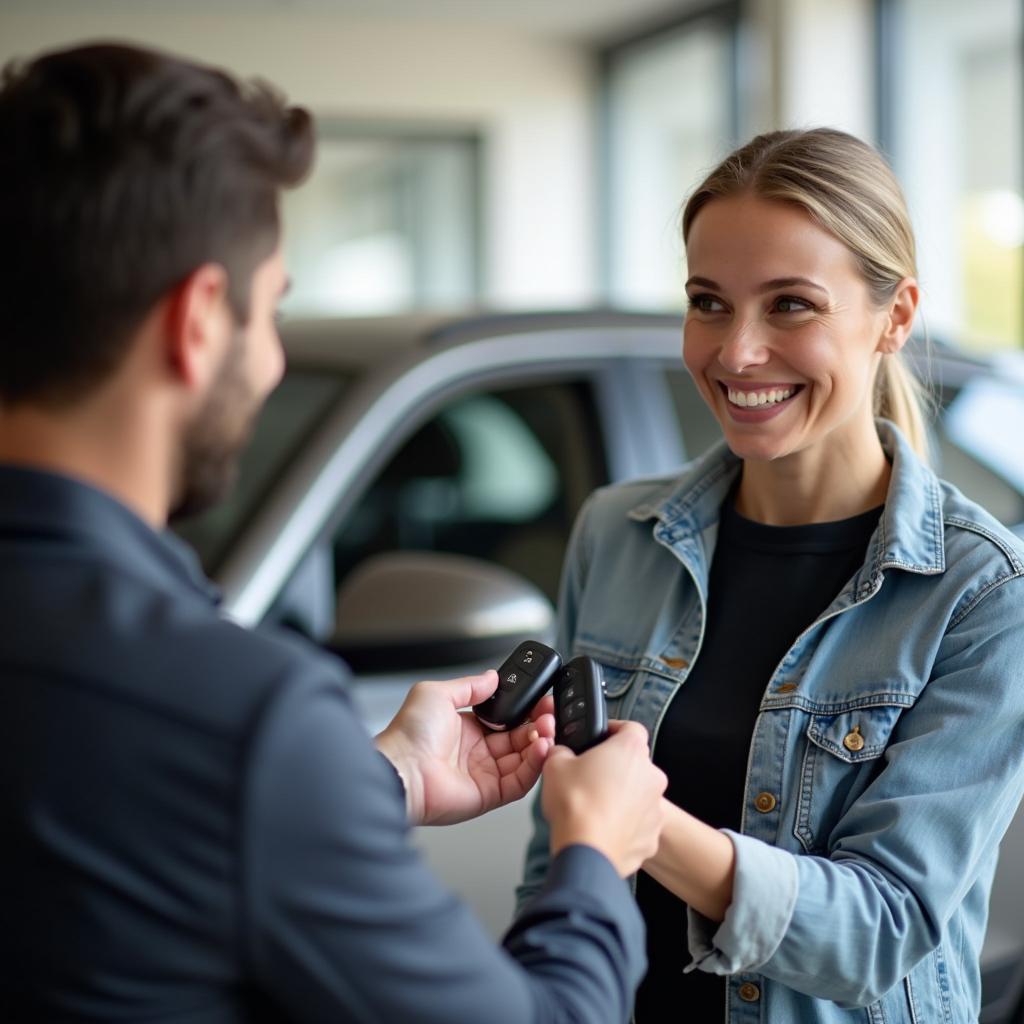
(411, 485)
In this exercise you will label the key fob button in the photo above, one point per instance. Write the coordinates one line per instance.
(527, 659)
(581, 717)
(577, 709)
(510, 680)
(523, 678)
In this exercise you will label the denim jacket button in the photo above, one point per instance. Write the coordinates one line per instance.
(765, 802)
(853, 741)
(749, 992)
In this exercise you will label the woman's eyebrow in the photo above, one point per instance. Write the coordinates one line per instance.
(702, 282)
(768, 286)
(788, 282)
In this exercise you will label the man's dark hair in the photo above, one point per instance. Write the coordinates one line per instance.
(122, 170)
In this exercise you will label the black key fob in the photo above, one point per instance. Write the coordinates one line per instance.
(524, 677)
(581, 714)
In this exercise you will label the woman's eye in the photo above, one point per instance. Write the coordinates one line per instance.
(791, 304)
(706, 304)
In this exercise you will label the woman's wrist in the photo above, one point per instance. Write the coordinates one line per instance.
(695, 862)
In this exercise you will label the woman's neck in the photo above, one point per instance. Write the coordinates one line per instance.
(827, 482)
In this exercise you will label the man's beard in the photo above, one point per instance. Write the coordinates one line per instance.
(216, 438)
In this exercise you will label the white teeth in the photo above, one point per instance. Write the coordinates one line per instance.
(748, 399)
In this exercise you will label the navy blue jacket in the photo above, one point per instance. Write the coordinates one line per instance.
(195, 826)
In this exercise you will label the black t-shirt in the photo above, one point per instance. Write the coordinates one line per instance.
(767, 585)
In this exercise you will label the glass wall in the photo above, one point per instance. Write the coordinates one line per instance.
(954, 132)
(670, 102)
(386, 223)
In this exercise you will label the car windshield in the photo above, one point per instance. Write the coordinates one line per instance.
(292, 413)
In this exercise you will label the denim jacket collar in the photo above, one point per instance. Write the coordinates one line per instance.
(909, 534)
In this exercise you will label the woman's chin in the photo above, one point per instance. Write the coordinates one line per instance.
(757, 449)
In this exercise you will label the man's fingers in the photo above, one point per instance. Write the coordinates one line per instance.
(522, 736)
(558, 752)
(545, 706)
(467, 690)
(533, 754)
(631, 730)
(502, 743)
(520, 781)
(537, 753)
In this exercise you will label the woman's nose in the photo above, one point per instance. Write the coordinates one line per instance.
(742, 349)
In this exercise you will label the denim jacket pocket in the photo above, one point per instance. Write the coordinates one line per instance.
(839, 760)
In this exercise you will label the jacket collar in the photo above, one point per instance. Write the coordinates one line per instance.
(909, 534)
(37, 505)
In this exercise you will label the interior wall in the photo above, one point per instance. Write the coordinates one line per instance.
(529, 97)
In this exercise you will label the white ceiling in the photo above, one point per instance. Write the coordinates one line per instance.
(589, 20)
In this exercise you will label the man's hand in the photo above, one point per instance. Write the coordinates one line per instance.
(453, 767)
(609, 797)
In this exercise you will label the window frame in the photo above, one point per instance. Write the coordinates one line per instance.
(334, 130)
(727, 14)
(890, 34)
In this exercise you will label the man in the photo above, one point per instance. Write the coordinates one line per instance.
(196, 828)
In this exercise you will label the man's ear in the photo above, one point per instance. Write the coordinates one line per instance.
(198, 320)
(902, 308)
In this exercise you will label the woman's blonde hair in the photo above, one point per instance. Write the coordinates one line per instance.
(849, 189)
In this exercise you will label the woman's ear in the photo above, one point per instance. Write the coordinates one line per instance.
(902, 308)
(197, 325)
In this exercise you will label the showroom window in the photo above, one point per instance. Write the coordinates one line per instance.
(669, 116)
(951, 120)
(388, 222)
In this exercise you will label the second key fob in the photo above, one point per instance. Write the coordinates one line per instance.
(581, 714)
(524, 677)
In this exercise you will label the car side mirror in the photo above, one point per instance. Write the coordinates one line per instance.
(411, 610)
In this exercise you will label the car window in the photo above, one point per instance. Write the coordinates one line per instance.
(497, 475)
(979, 445)
(291, 414)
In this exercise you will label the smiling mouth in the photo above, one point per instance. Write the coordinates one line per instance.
(760, 398)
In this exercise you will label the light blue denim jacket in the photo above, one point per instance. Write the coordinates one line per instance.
(887, 759)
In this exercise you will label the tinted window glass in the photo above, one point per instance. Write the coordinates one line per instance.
(979, 445)
(498, 475)
(292, 412)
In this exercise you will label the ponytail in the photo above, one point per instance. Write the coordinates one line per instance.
(901, 398)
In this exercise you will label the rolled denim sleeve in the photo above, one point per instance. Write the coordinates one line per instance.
(848, 926)
(758, 916)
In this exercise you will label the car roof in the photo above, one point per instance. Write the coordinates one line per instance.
(361, 343)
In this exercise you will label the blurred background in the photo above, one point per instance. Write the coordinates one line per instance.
(535, 154)
(529, 156)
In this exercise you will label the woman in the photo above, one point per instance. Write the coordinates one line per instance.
(823, 639)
